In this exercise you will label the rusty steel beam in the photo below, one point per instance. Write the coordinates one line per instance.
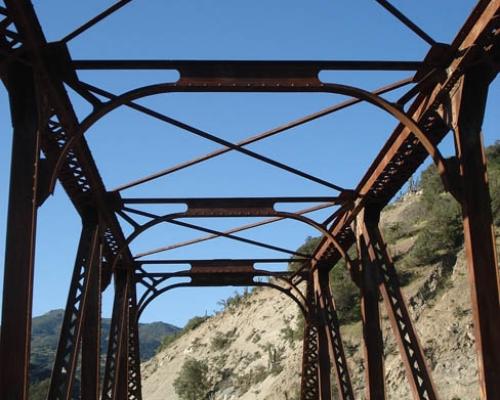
(372, 333)
(118, 340)
(331, 325)
(212, 261)
(310, 379)
(231, 202)
(230, 231)
(80, 298)
(214, 233)
(417, 372)
(323, 337)
(91, 336)
(213, 138)
(252, 139)
(134, 385)
(479, 235)
(220, 276)
(21, 234)
(243, 69)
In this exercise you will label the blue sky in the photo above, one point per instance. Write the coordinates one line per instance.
(127, 145)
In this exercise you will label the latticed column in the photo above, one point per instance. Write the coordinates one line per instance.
(84, 276)
(370, 313)
(91, 337)
(309, 388)
(332, 327)
(411, 351)
(134, 358)
(114, 385)
(376, 257)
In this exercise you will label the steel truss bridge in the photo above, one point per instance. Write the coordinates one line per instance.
(446, 96)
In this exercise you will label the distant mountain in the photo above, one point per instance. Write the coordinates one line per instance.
(45, 336)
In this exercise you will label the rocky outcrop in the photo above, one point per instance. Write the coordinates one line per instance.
(252, 353)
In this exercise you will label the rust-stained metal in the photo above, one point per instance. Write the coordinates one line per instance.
(21, 234)
(91, 334)
(118, 339)
(231, 231)
(370, 314)
(479, 235)
(310, 380)
(134, 359)
(450, 86)
(417, 372)
(331, 325)
(80, 298)
(251, 139)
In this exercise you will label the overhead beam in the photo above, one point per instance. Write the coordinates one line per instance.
(234, 68)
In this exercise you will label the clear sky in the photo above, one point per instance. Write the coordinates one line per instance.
(127, 145)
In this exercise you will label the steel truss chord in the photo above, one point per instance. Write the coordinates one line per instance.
(84, 276)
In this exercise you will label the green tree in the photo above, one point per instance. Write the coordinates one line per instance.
(307, 248)
(493, 156)
(345, 293)
(192, 382)
(443, 232)
(344, 290)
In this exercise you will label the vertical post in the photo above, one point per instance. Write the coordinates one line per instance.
(117, 331)
(121, 389)
(334, 340)
(411, 351)
(21, 232)
(324, 363)
(86, 267)
(478, 225)
(134, 358)
(309, 388)
(372, 333)
(91, 335)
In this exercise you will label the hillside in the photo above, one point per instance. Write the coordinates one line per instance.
(252, 349)
(45, 336)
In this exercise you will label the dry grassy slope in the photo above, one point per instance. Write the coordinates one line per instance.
(443, 322)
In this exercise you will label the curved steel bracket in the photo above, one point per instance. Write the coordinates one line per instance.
(256, 84)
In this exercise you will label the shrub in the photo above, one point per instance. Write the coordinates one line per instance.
(192, 382)
(307, 248)
(192, 324)
(345, 293)
(443, 231)
(493, 155)
(235, 300)
(39, 390)
(344, 290)
(290, 334)
(222, 340)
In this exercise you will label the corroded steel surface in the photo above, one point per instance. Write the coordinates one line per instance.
(449, 90)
